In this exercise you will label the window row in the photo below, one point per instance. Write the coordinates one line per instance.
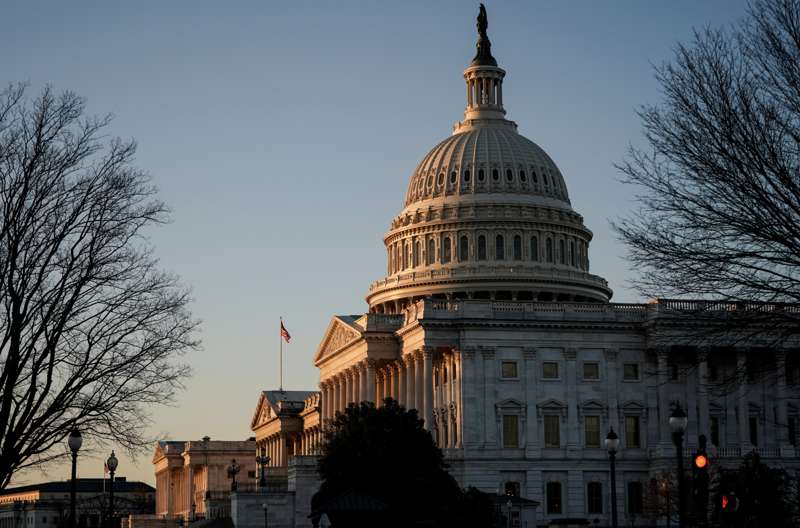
(510, 176)
(554, 500)
(590, 371)
(407, 255)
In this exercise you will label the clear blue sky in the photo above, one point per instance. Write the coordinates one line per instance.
(284, 134)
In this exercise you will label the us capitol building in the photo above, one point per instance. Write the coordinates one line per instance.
(490, 324)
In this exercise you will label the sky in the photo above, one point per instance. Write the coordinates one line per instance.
(284, 136)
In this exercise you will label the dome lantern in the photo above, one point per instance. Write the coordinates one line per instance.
(484, 79)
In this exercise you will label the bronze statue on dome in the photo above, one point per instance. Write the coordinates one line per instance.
(483, 22)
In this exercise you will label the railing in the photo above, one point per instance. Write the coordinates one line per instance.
(271, 485)
(217, 494)
(450, 453)
(445, 305)
(388, 319)
(508, 307)
(729, 452)
(303, 460)
(276, 472)
(768, 452)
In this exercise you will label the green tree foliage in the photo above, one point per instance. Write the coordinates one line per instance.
(387, 453)
(767, 496)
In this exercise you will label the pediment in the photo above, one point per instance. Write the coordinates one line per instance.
(633, 404)
(510, 403)
(588, 404)
(158, 454)
(264, 413)
(552, 402)
(341, 332)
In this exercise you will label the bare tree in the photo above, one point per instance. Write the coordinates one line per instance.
(719, 187)
(90, 326)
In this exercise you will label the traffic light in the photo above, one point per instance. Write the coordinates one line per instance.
(727, 503)
(700, 473)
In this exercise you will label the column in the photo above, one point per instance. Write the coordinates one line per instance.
(351, 386)
(427, 356)
(324, 400)
(170, 510)
(357, 383)
(411, 392)
(401, 391)
(283, 457)
(573, 429)
(371, 364)
(741, 401)
(451, 427)
(532, 447)
(663, 400)
(488, 417)
(783, 410)
(702, 389)
(341, 390)
(457, 397)
(191, 486)
(419, 385)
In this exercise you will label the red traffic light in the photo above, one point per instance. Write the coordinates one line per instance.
(700, 461)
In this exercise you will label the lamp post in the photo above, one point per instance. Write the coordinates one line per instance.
(193, 508)
(612, 445)
(678, 422)
(112, 463)
(262, 461)
(509, 512)
(74, 442)
(499, 494)
(266, 507)
(233, 470)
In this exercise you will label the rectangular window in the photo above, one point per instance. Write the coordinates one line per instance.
(554, 498)
(510, 431)
(591, 371)
(635, 497)
(792, 430)
(509, 369)
(713, 426)
(550, 370)
(595, 494)
(512, 489)
(630, 371)
(251, 474)
(632, 433)
(552, 434)
(754, 431)
(672, 372)
(592, 424)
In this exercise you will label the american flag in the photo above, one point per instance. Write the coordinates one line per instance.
(105, 468)
(284, 333)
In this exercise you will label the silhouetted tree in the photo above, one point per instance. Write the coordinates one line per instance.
(90, 327)
(720, 186)
(387, 453)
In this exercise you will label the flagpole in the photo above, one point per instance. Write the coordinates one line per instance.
(280, 337)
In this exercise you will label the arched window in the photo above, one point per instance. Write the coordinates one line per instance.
(453, 176)
(441, 179)
(572, 253)
(481, 247)
(463, 249)
(522, 177)
(467, 175)
(499, 250)
(481, 175)
(446, 249)
(534, 248)
(509, 175)
(495, 175)
(410, 250)
(548, 250)
(430, 180)
(561, 258)
(418, 260)
(432, 251)
(535, 178)
(517, 247)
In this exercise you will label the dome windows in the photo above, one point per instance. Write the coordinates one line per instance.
(499, 249)
(481, 175)
(430, 180)
(453, 177)
(467, 175)
(509, 175)
(535, 178)
(517, 247)
(418, 256)
(495, 175)
(481, 247)
(441, 178)
(432, 251)
(447, 250)
(544, 178)
(522, 176)
(463, 249)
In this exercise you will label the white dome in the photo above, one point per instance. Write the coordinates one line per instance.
(487, 162)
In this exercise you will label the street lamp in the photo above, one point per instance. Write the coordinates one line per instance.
(112, 463)
(509, 513)
(612, 445)
(499, 494)
(678, 422)
(74, 442)
(233, 470)
(633, 519)
(193, 508)
(266, 507)
(262, 461)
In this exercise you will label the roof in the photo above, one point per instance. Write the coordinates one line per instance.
(273, 397)
(352, 499)
(81, 486)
